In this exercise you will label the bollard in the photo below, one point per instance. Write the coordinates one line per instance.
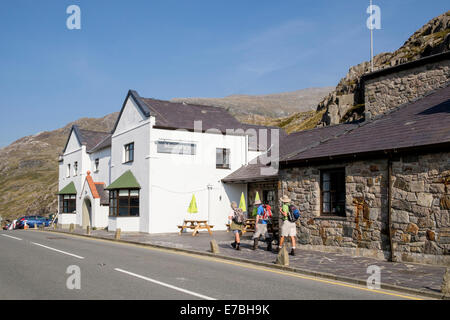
(88, 230)
(117, 235)
(35, 226)
(446, 284)
(283, 257)
(71, 227)
(214, 247)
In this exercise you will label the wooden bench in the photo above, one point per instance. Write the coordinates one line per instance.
(196, 225)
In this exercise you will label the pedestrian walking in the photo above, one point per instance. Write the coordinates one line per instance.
(288, 228)
(262, 219)
(237, 219)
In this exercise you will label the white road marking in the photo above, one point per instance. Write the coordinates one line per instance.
(5, 235)
(60, 251)
(165, 284)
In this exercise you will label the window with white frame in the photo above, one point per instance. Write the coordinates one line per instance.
(124, 203)
(129, 152)
(68, 171)
(75, 168)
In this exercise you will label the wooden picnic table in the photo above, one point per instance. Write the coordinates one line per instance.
(196, 225)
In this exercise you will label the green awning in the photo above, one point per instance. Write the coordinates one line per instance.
(69, 189)
(125, 181)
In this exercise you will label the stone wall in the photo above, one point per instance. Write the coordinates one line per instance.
(421, 208)
(420, 200)
(389, 91)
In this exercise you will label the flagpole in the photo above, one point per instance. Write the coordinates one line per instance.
(371, 40)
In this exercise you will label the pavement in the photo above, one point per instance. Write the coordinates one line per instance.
(42, 265)
(405, 277)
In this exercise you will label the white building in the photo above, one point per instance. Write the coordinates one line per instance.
(142, 175)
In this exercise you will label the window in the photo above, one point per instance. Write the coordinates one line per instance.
(75, 168)
(124, 203)
(129, 152)
(68, 171)
(332, 192)
(96, 164)
(176, 147)
(222, 158)
(67, 203)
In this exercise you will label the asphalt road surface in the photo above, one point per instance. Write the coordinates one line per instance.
(34, 265)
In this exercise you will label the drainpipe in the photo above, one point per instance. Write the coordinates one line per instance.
(390, 229)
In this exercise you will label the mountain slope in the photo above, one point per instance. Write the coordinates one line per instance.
(255, 108)
(29, 168)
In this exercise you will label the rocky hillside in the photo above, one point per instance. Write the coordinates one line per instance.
(345, 103)
(259, 108)
(29, 169)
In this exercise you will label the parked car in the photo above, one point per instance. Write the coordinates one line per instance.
(31, 221)
(6, 227)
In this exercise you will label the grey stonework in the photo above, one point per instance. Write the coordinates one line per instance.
(390, 91)
(420, 218)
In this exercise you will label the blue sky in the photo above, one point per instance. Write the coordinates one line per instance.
(50, 75)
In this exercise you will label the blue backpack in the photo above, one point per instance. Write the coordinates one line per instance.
(294, 213)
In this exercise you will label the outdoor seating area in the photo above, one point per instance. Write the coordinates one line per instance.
(195, 225)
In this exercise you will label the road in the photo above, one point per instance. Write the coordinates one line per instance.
(33, 265)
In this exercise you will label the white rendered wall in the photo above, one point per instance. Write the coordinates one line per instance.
(132, 127)
(104, 169)
(73, 153)
(175, 178)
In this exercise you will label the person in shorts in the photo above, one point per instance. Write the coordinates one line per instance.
(288, 228)
(261, 227)
(235, 227)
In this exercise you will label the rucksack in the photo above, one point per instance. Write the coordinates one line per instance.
(267, 212)
(293, 214)
(238, 216)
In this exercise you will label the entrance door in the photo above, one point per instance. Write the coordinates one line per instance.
(87, 213)
(270, 197)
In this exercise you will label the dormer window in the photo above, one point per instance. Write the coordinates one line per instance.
(129, 152)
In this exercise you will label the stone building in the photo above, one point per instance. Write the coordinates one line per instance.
(364, 188)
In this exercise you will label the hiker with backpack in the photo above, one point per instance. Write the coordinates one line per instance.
(263, 214)
(237, 218)
(289, 215)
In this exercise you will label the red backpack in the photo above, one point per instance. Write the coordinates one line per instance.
(267, 212)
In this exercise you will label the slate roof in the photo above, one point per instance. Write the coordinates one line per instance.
(422, 123)
(88, 138)
(425, 122)
(249, 173)
(176, 115)
(289, 144)
(105, 143)
(104, 195)
(92, 138)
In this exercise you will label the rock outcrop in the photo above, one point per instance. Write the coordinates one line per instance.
(346, 102)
